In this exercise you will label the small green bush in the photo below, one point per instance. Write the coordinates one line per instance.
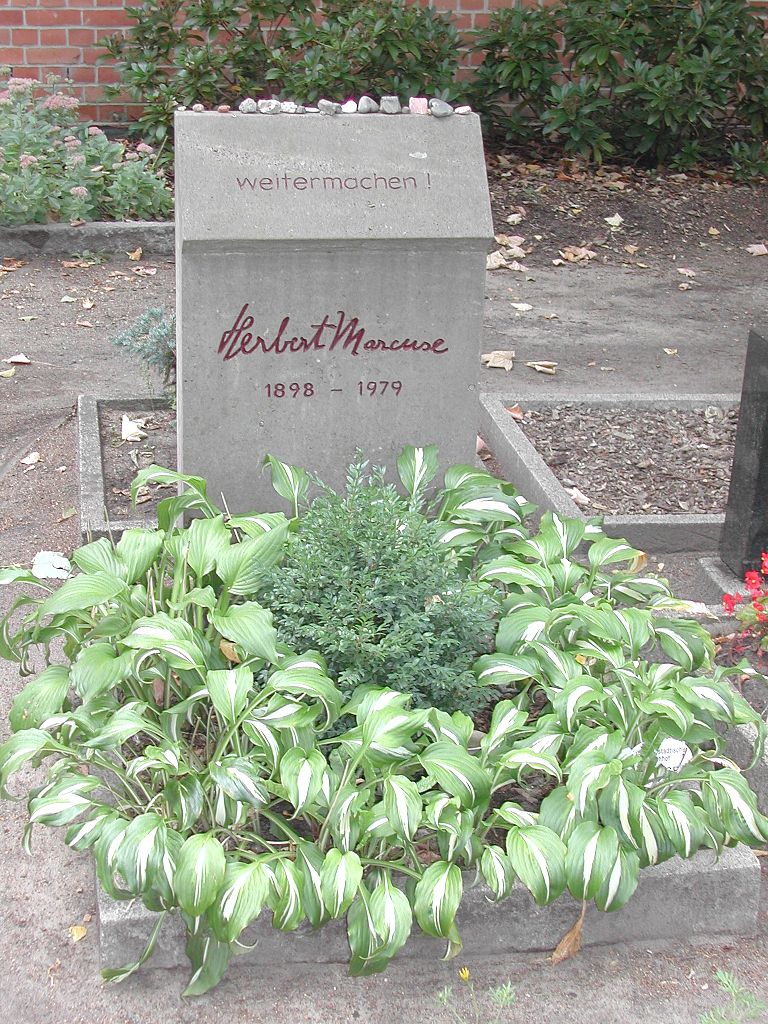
(367, 582)
(188, 51)
(152, 337)
(672, 84)
(53, 168)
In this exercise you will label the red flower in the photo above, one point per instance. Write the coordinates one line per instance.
(730, 601)
(753, 581)
(760, 612)
(764, 562)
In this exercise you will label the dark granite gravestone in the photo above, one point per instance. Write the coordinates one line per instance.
(331, 275)
(745, 532)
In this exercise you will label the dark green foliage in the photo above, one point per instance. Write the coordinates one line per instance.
(190, 51)
(366, 582)
(670, 83)
(152, 337)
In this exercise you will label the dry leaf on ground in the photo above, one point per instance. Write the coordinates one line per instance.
(515, 412)
(495, 260)
(577, 254)
(67, 298)
(519, 267)
(66, 514)
(131, 430)
(578, 496)
(521, 307)
(143, 495)
(759, 249)
(671, 351)
(631, 249)
(8, 373)
(501, 359)
(31, 460)
(543, 366)
(77, 932)
(515, 218)
(28, 319)
(615, 221)
(88, 303)
(570, 944)
(135, 255)
(713, 232)
(18, 360)
(83, 323)
(145, 271)
(686, 272)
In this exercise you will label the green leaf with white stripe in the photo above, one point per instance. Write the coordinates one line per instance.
(521, 626)
(620, 882)
(209, 958)
(402, 805)
(457, 772)
(592, 853)
(141, 851)
(707, 694)
(503, 669)
(512, 571)
(392, 914)
(239, 778)
(437, 897)
(98, 669)
(340, 876)
(304, 677)
(683, 822)
(200, 868)
(301, 772)
(524, 758)
(537, 856)
(290, 482)
(577, 693)
(506, 721)
(607, 551)
(285, 897)
(127, 721)
(240, 899)
(40, 699)
(241, 567)
(229, 689)
(497, 871)
(589, 773)
(729, 800)
(184, 799)
(365, 943)
(83, 592)
(62, 801)
(250, 626)
(309, 863)
(416, 467)
(83, 834)
(688, 643)
(667, 704)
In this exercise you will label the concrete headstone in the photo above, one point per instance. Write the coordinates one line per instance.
(330, 292)
(745, 532)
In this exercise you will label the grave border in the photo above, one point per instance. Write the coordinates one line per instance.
(155, 237)
(524, 466)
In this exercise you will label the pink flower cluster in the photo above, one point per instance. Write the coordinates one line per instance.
(26, 160)
(95, 130)
(18, 84)
(59, 101)
(144, 148)
(79, 191)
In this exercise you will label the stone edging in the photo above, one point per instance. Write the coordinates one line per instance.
(156, 238)
(523, 465)
(93, 515)
(677, 902)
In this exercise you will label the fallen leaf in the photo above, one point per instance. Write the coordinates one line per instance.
(83, 323)
(577, 254)
(639, 562)
(88, 303)
(570, 944)
(77, 932)
(549, 316)
(515, 412)
(713, 232)
(499, 360)
(135, 255)
(130, 430)
(671, 351)
(229, 651)
(608, 369)
(543, 366)
(760, 249)
(615, 221)
(514, 265)
(158, 690)
(686, 272)
(77, 264)
(515, 218)
(66, 514)
(631, 249)
(19, 360)
(495, 260)
(521, 307)
(578, 496)
(51, 565)
(28, 319)
(685, 287)
(119, 273)
(145, 271)
(143, 495)
(67, 298)
(8, 373)
(31, 460)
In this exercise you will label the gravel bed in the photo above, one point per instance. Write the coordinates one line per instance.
(631, 460)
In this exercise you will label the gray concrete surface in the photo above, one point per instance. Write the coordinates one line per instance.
(155, 238)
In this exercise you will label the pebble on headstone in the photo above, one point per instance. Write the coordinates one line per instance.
(312, 110)
(350, 107)
(463, 110)
(198, 108)
(418, 105)
(328, 107)
(439, 108)
(390, 105)
(289, 107)
(269, 106)
(248, 106)
(223, 108)
(366, 105)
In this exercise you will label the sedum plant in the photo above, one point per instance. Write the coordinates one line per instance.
(217, 773)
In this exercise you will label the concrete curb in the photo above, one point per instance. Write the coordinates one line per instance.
(93, 515)
(523, 465)
(156, 238)
(676, 902)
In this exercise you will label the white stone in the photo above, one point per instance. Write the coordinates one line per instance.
(439, 108)
(289, 107)
(328, 107)
(463, 110)
(366, 105)
(390, 105)
(269, 106)
(418, 105)
(248, 106)
(350, 107)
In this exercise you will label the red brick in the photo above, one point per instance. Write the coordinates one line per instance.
(471, 5)
(5, 37)
(53, 3)
(106, 19)
(83, 73)
(481, 20)
(53, 17)
(25, 36)
(108, 75)
(11, 55)
(53, 37)
(11, 17)
(81, 37)
(52, 54)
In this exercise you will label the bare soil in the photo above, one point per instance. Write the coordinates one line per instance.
(630, 460)
(121, 460)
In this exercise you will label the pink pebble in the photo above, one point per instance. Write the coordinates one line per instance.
(418, 105)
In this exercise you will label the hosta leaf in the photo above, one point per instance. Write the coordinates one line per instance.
(290, 482)
(118, 974)
(40, 699)
(287, 909)
(497, 871)
(392, 914)
(416, 467)
(241, 566)
(340, 876)
(301, 772)
(687, 643)
(141, 851)
(305, 678)
(537, 856)
(83, 834)
(457, 772)
(503, 669)
(682, 821)
(82, 592)
(518, 759)
(240, 899)
(728, 799)
(127, 721)
(577, 693)
(506, 720)
(489, 504)
(19, 749)
(229, 689)
(606, 551)
(184, 798)
(250, 626)
(365, 943)
(105, 855)
(200, 545)
(588, 774)
(239, 778)
(98, 669)
(309, 863)
(667, 704)
(621, 881)
(137, 550)
(63, 801)
(514, 814)
(559, 813)
(402, 805)
(521, 626)
(100, 556)
(511, 570)
(209, 958)
(437, 897)
(592, 853)
(200, 870)
(711, 696)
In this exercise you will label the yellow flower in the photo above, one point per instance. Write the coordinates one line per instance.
(464, 974)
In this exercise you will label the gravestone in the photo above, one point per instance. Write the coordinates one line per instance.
(745, 531)
(330, 286)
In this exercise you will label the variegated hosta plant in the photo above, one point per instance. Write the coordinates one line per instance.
(215, 773)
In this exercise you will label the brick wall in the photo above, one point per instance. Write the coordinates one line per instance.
(42, 37)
